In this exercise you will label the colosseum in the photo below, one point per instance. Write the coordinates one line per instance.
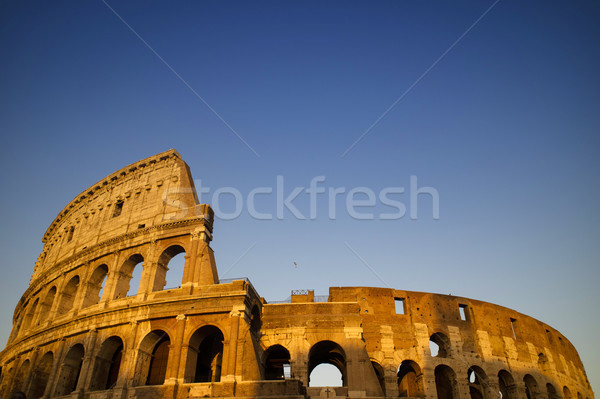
(81, 330)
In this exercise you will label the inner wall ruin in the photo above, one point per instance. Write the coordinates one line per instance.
(81, 330)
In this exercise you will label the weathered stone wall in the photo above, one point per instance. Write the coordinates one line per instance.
(81, 331)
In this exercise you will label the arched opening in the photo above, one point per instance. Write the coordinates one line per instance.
(439, 345)
(67, 299)
(152, 359)
(95, 286)
(69, 371)
(543, 363)
(46, 305)
(379, 373)
(579, 396)
(20, 377)
(566, 392)
(322, 354)
(205, 355)
(508, 389)
(255, 320)
(445, 382)
(552, 394)
(169, 273)
(531, 387)
(410, 380)
(478, 385)
(41, 375)
(29, 316)
(130, 276)
(107, 364)
(277, 360)
(326, 375)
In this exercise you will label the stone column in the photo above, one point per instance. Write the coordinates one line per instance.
(176, 370)
(52, 378)
(230, 355)
(85, 375)
(127, 369)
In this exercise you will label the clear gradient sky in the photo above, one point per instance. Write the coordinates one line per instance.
(505, 126)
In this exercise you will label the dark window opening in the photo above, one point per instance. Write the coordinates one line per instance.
(70, 235)
(118, 208)
(513, 325)
(158, 362)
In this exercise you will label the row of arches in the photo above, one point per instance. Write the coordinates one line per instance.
(104, 284)
(410, 384)
(204, 359)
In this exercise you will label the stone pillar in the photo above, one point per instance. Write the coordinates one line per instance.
(85, 375)
(176, 372)
(33, 363)
(114, 274)
(204, 267)
(127, 369)
(52, 378)
(230, 355)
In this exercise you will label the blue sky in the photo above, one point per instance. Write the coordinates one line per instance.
(504, 127)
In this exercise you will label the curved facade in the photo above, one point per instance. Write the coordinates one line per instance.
(83, 329)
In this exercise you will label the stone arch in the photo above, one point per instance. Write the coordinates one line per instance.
(41, 375)
(255, 320)
(123, 288)
(552, 394)
(46, 304)
(478, 383)
(543, 362)
(28, 320)
(579, 396)
(531, 387)
(67, 297)
(163, 271)
(410, 379)
(328, 352)
(445, 382)
(18, 383)
(95, 285)
(107, 364)
(153, 358)
(205, 355)
(276, 359)
(567, 392)
(441, 342)
(70, 369)
(507, 386)
(380, 374)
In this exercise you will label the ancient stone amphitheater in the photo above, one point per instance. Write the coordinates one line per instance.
(82, 331)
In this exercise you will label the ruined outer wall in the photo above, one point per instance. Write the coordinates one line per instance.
(80, 307)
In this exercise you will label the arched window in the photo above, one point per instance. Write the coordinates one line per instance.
(277, 360)
(507, 386)
(95, 286)
(439, 345)
(158, 363)
(20, 377)
(379, 373)
(129, 279)
(29, 317)
(531, 387)
(567, 392)
(552, 394)
(478, 385)
(205, 355)
(69, 371)
(152, 359)
(255, 321)
(169, 273)
(46, 305)
(107, 364)
(67, 299)
(322, 354)
(40, 376)
(410, 380)
(445, 382)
